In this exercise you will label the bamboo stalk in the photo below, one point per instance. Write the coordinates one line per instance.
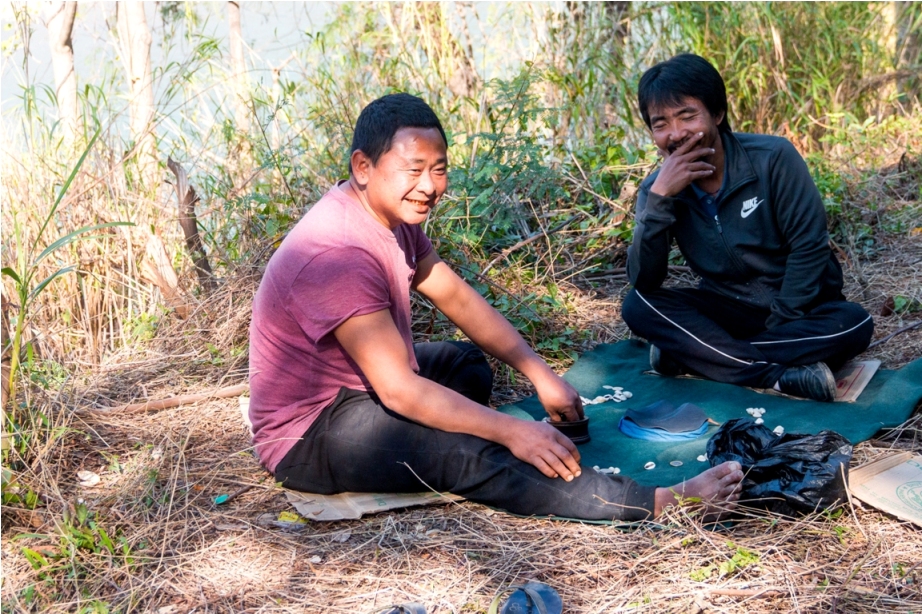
(185, 399)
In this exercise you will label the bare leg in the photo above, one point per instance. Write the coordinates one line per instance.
(718, 489)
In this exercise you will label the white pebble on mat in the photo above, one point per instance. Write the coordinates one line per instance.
(650, 465)
(618, 394)
(702, 458)
(778, 430)
(760, 421)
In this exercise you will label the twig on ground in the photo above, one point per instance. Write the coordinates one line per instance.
(534, 237)
(895, 333)
(186, 399)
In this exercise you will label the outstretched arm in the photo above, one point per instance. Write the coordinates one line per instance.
(375, 344)
(495, 335)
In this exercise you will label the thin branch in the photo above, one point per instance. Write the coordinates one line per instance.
(186, 399)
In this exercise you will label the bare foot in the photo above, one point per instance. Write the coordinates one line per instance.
(717, 488)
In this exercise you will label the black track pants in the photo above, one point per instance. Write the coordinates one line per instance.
(358, 445)
(726, 340)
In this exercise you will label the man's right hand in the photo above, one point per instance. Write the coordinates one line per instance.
(683, 166)
(541, 445)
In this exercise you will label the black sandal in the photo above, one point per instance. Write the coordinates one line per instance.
(529, 598)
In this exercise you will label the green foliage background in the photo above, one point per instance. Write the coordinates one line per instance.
(545, 158)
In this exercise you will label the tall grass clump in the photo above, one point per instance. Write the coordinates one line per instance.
(806, 69)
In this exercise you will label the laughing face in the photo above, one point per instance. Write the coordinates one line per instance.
(407, 181)
(672, 126)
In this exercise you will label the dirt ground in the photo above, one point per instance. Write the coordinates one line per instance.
(176, 551)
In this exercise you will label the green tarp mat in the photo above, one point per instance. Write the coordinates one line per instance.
(887, 402)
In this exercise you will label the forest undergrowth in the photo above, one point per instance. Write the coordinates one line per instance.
(109, 507)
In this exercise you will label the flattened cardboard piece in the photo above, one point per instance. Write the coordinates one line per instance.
(892, 484)
(352, 505)
(245, 413)
(852, 379)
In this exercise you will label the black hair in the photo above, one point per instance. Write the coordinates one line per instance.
(382, 118)
(683, 76)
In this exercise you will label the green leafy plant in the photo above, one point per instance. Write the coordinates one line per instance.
(28, 257)
(14, 494)
(740, 559)
(905, 304)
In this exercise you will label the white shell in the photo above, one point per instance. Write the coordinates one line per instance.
(778, 430)
(650, 465)
(615, 470)
(618, 394)
(702, 458)
(760, 421)
(87, 478)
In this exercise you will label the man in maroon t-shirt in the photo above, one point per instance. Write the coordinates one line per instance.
(341, 398)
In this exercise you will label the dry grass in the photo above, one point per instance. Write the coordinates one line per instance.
(190, 555)
(160, 472)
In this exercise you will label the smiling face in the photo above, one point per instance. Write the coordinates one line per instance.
(674, 125)
(408, 179)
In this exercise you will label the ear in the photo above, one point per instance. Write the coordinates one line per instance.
(719, 118)
(361, 165)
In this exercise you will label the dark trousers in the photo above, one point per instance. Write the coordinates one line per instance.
(726, 340)
(358, 445)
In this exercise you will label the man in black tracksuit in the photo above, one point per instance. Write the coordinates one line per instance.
(769, 310)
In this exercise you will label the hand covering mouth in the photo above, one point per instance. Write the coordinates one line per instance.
(673, 146)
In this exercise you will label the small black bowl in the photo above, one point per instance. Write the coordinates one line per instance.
(577, 431)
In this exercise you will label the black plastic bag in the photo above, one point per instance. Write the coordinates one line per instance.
(789, 474)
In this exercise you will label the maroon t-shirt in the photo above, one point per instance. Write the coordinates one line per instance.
(337, 262)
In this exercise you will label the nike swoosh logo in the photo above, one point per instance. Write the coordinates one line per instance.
(746, 212)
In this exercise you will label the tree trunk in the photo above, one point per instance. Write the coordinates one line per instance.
(60, 20)
(135, 41)
(240, 154)
(187, 198)
(909, 50)
(238, 68)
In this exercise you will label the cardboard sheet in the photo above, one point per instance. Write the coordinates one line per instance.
(892, 484)
(351, 505)
(852, 379)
